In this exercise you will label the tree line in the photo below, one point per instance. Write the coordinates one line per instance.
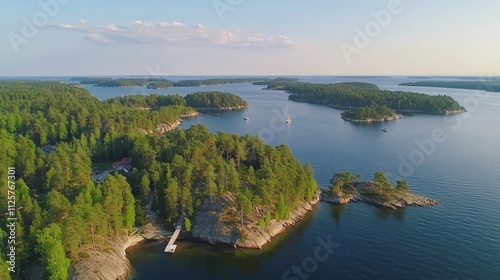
(214, 100)
(126, 82)
(369, 112)
(214, 81)
(198, 100)
(487, 85)
(352, 94)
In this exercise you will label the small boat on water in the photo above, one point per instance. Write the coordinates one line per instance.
(384, 129)
(246, 118)
(288, 119)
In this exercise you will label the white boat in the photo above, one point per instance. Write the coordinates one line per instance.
(288, 119)
(246, 118)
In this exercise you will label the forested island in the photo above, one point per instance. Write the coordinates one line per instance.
(215, 100)
(276, 84)
(161, 83)
(231, 189)
(487, 85)
(351, 95)
(215, 81)
(151, 83)
(346, 187)
(370, 114)
(211, 100)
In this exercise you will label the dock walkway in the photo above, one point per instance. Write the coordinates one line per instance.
(171, 246)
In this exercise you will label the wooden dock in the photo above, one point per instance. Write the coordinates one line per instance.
(171, 246)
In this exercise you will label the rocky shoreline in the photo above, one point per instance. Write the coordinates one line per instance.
(211, 224)
(163, 128)
(106, 263)
(235, 108)
(372, 120)
(358, 194)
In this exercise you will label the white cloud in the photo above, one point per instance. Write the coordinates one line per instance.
(82, 21)
(96, 38)
(177, 33)
(68, 26)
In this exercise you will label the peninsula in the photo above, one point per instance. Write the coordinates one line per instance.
(71, 222)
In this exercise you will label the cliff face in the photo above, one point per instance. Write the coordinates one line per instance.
(216, 222)
(108, 263)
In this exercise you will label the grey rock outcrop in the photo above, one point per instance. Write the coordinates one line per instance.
(357, 194)
(216, 223)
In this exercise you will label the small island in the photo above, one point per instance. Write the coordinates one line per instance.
(370, 114)
(215, 100)
(345, 187)
(275, 84)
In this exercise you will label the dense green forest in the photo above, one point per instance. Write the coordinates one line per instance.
(90, 81)
(275, 82)
(148, 101)
(62, 213)
(354, 94)
(160, 83)
(199, 100)
(154, 83)
(490, 85)
(215, 100)
(369, 112)
(215, 81)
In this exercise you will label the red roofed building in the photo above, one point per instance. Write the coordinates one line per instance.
(122, 164)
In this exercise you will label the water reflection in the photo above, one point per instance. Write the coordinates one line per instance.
(384, 214)
(337, 211)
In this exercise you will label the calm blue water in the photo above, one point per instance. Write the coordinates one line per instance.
(459, 239)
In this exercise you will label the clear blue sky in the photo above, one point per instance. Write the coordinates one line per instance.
(250, 37)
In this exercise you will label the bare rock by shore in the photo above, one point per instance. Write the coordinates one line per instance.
(235, 108)
(397, 199)
(372, 120)
(216, 223)
(107, 263)
(163, 128)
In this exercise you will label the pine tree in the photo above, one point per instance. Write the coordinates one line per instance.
(50, 248)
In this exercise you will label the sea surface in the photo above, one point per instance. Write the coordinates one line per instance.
(456, 240)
